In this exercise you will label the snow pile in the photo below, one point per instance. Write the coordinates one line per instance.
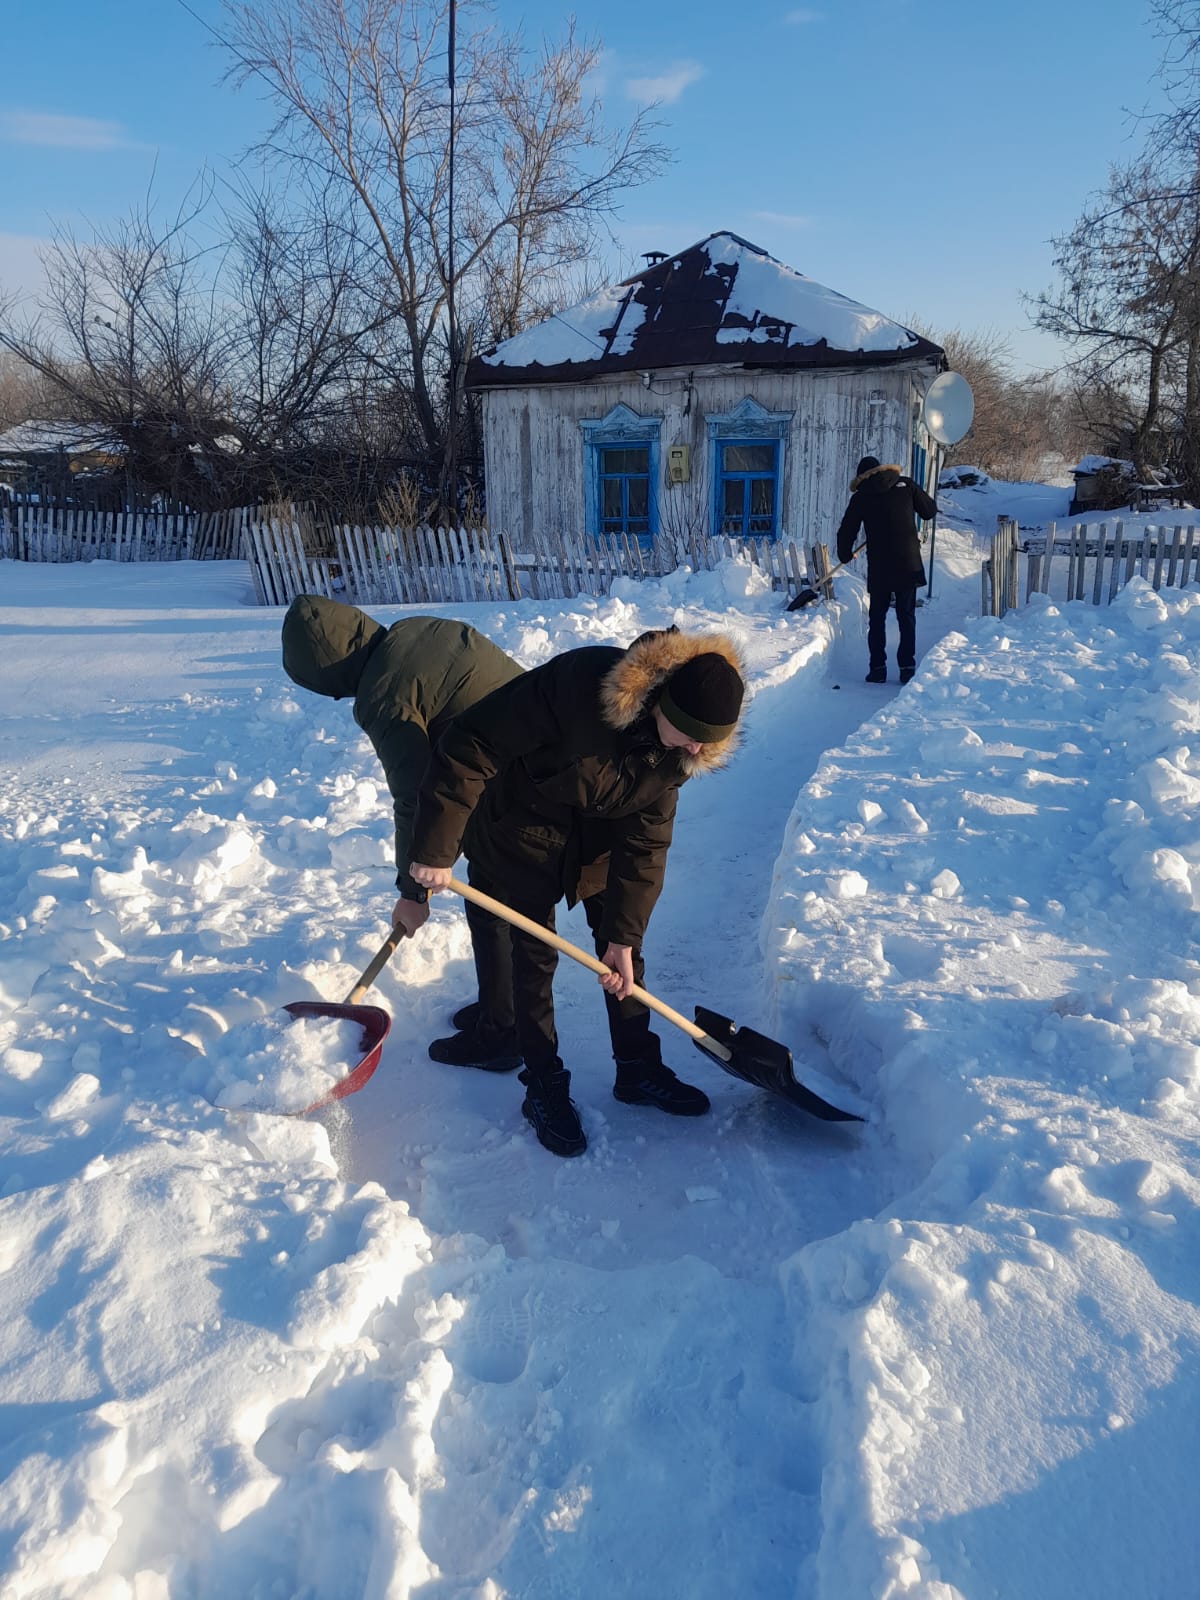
(1013, 989)
(283, 1063)
(396, 1348)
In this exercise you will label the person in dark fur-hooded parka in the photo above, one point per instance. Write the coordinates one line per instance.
(563, 784)
(408, 683)
(888, 504)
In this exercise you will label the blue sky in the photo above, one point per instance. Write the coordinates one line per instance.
(916, 156)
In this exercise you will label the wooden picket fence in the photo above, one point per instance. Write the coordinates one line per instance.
(423, 565)
(1094, 561)
(67, 533)
(382, 565)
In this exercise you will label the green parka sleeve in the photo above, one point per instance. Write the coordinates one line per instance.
(403, 751)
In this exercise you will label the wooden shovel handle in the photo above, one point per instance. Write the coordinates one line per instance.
(592, 963)
(376, 965)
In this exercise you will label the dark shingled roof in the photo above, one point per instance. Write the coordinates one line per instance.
(722, 301)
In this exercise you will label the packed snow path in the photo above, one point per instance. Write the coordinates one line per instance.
(624, 1341)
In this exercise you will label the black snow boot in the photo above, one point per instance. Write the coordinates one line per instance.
(877, 675)
(649, 1083)
(466, 1018)
(549, 1107)
(479, 1047)
(906, 674)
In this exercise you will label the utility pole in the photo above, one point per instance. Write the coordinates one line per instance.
(450, 490)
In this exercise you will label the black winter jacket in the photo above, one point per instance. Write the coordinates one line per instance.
(888, 504)
(557, 785)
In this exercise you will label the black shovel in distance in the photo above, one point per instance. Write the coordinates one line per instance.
(743, 1052)
(807, 596)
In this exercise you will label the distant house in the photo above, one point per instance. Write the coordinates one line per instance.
(1104, 483)
(718, 391)
(34, 452)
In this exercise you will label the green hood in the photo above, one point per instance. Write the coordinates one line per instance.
(327, 644)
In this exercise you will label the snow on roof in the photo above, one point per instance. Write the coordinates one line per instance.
(41, 438)
(1087, 464)
(225, 443)
(767, 298)
(722, 300)
(586, 332)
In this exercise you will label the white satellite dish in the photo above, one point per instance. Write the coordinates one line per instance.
(949, 408)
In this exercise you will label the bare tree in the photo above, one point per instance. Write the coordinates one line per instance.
(361, 88)
(228, 349)
(126, 335)
(1019, 420)
(23, 394)
(1176, 132)
(1128, 300)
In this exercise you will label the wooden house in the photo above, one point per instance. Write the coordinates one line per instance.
(38, 454)
(717, 392)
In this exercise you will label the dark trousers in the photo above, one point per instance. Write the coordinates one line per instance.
(906, 617)
(516, 983)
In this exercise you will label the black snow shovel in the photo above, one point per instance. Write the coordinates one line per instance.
(743, 1052)
(374, 1021)
(807, 596)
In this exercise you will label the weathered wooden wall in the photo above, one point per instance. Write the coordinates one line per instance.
(534, 449)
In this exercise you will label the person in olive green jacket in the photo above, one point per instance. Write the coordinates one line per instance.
(408, 683)
(563, 784)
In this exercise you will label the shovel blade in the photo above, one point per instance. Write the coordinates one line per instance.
(765, 1063)
(375, 1023)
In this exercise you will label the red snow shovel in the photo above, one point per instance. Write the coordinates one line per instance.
(746, 1054)
(374, 1020)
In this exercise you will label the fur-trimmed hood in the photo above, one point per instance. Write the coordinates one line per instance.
(631, 687)
(874, 472)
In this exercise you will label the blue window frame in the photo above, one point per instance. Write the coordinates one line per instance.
(747, 487)
(624, 474)
(746, 463)
(920, 460)
(620, 474)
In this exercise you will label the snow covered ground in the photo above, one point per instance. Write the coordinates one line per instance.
(401, 1350)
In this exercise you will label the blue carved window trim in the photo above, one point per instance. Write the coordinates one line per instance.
(740, 508)
(605, 441)
(747, 424)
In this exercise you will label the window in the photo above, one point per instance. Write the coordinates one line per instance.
(620, 474)
(747, 491)
(746, 462)
(625, 490)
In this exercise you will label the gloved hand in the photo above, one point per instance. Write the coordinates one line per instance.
(410, 915)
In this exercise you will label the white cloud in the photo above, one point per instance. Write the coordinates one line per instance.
(802, 14)
(667, 86)
(62, 133)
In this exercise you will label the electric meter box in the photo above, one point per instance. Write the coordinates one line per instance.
(678, 464)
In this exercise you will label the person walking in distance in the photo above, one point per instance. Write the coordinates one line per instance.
(563, 784)
(888, 505)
